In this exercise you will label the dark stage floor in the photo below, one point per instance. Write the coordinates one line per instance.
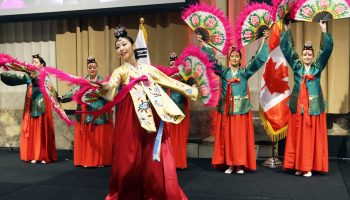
(63, 181)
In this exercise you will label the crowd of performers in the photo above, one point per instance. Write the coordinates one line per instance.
(144, 111)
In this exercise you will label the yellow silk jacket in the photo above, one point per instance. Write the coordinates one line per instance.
(147, 93)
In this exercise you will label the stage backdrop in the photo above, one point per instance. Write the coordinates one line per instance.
(66, 43)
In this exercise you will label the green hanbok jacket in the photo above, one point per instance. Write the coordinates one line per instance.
(37, 103)
(316, 101)
(239, 96)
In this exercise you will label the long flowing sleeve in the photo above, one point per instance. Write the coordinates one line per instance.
(114, 82)
(287, 48)
(218, 67)
(12, 79)
(164, 80)
(326, 48)
(257, 62)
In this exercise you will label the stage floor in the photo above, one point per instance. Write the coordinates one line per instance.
(63, 181)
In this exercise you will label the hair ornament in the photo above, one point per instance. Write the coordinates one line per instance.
(35, 55)
(308, 45)
(120, 31)
(173, 56)
(91, 59)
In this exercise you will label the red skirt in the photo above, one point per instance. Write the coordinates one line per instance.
(307, 147)
(38, 136)
(234, 141)
(178, 137)
(93, 144)
(134, 174)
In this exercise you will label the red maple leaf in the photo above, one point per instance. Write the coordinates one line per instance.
(274, 77)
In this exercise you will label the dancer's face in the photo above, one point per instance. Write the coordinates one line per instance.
(125, 50)
(235, 59)
(36, 62)
(92, 69)
(307, 57)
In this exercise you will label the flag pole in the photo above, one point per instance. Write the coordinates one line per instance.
(273, 161)
(142, 27)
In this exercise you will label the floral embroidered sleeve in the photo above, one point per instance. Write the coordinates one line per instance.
(69, 95)
(164, 80)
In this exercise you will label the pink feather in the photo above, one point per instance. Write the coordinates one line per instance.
(42, 76)
(244, 14)
(218, 13)
(67, 77)
(120, 96)
(5, 58)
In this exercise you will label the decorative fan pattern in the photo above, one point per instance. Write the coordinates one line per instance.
(46, 88)
(194, 64)
(283, 9)
(210, 22)
(253, 20)
(316, 10)
(50, 93)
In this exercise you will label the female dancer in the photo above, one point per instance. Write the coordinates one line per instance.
(92, 139)
(134, 174)
(307, 144)
(234, 134)
(37, 142)
(179, 132)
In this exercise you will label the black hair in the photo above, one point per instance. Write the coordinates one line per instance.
(204, 33)
(120, 32)
(41, 60)
(308, 46)
(173, 56)
(91, 59)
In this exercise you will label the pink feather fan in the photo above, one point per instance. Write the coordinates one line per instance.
(211, 23)
(252, 22)
(193, 63)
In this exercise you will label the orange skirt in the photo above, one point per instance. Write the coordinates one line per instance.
(38, 136)
(234, 141)
(93, 145)
(307, 147)
(178, 138)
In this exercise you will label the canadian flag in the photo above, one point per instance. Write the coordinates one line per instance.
(274, 91)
